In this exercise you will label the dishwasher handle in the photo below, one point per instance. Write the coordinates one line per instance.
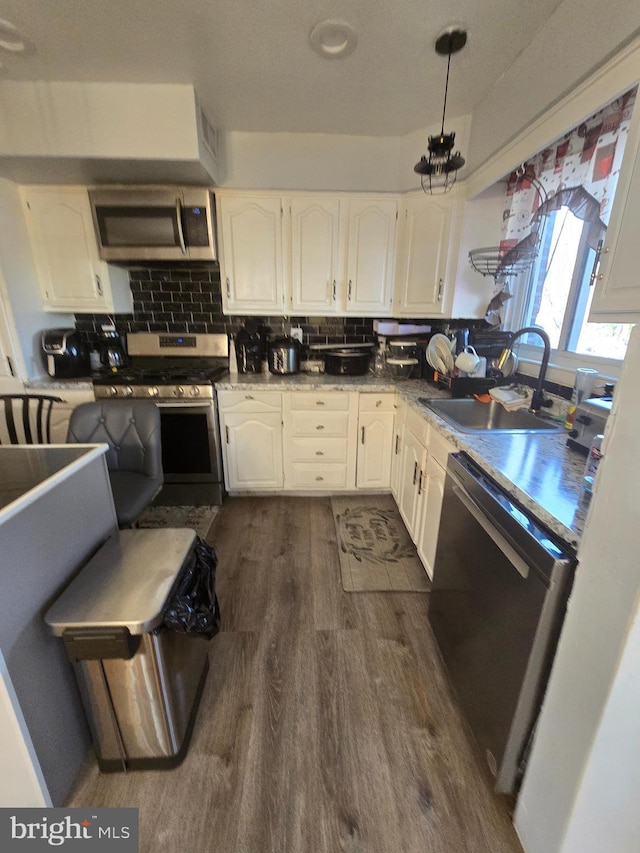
(510, 553)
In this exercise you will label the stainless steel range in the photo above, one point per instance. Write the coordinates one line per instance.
(177, 372)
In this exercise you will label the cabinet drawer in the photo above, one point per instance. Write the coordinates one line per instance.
(308, 401)
(440, 448)
(306, 475)
(377, 402)
(319, 450)
(250, 401)
(321, 424)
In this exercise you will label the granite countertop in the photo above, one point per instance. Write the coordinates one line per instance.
(83, 383)
(537, 469)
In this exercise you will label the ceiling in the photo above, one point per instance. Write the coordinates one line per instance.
(252, 65)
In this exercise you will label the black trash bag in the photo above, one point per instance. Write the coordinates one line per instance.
(193, 607)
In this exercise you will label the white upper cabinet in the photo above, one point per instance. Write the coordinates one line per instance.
(315, 255)
(71, 274)
(617, 289)
(426, 260)
(371, 256)
(251, 267)
(312, 254)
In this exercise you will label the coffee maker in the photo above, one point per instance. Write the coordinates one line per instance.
(112, 351)
(251, 347)
(64, 353)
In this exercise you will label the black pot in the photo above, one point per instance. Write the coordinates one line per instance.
(347, 362)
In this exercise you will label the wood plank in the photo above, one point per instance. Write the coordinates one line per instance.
(326, 724)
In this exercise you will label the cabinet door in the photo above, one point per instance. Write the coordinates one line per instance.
(432, 493)
(64, 247)
(421, 279)
(315, 235)
(412, 465)
(370, 256)
(617, 291)
(396, 450)
(375, 447)
(252, 445)
(251, 262)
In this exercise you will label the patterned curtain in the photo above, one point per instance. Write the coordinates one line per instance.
(589, 158)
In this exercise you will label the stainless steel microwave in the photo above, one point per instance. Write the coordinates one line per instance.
(141, 224)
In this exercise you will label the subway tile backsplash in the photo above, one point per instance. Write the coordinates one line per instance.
(189, 300)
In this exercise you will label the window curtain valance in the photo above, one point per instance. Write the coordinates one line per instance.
(579, 171)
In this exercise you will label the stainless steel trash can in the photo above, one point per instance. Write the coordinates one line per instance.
(140, 683)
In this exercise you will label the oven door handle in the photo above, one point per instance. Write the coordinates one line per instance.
(509, 552)
(171, 404)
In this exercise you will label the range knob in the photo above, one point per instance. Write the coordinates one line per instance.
(128, 391)
(113, 391)
(180, 391)
(195, 391)
(153, 391)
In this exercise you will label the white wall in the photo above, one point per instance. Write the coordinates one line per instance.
(19, 273)
(577, 38)
(590, 706)
(21, 781)
(308, 161)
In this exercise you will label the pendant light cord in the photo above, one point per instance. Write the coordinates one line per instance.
(446, 88)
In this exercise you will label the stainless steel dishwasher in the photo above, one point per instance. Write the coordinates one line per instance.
(499, 596)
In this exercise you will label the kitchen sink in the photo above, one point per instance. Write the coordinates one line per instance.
(467, 415)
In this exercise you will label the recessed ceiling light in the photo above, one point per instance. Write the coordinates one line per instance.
(12, 40)
(333, 39)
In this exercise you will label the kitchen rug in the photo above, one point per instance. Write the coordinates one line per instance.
(199, 518)
(376, 553)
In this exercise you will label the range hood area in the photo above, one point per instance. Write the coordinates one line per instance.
(101, 133)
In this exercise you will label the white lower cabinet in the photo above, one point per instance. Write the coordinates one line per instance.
(251, 430)
(61, 412)
(375, 441)
(421, 489)
(431, 506)
(320, 440)
(396, 449)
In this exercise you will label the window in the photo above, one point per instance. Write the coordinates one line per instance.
(558, 295)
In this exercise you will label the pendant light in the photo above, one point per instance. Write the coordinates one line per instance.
(438, 171)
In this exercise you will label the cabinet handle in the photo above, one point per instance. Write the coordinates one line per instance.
(319, 452)
(320, 426)
(420, 484)
(440, 289)
(226, 431)
(319, 479)
(349, 297)
(415, 472)
(99, 286)
(397, 442)
(319, 402)
(248, 397)
(334, 290)
(228, 288)
(362, 438)
(596, 263)
(378, 403)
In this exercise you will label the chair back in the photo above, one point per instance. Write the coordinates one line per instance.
(131, 428)
(26, 418)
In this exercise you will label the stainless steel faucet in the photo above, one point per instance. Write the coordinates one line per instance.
(537, 398)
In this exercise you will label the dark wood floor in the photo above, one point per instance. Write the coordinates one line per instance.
(326, 723)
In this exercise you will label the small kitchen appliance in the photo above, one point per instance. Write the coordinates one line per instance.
(64, 353)
(112, 352)
(166, 224)
(346, 361)
(283, 355)
(590, 420)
